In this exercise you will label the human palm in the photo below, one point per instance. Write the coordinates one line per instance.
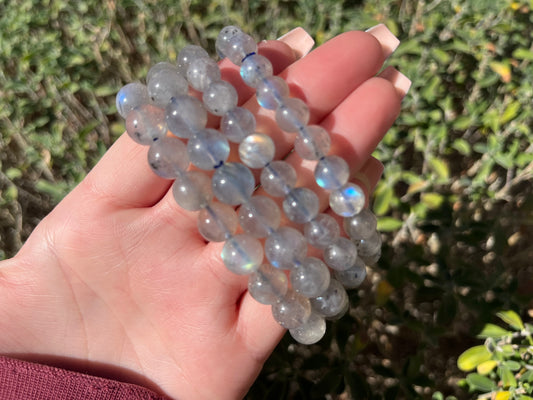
(118, 275)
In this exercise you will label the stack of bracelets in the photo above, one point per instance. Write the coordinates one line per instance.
(302, 291)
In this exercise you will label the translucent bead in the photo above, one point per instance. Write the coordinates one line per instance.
(187, 55)
(347, 200)
(369, 248)
(361, 225)
(260, 216)
(341, 254)
(130, 96)
(192, 190)
(271, 91)
(202, 72)
(321, 231)
(257, 150)
(217, 222)
(239, 46)
(332, 172)
(332, 301)
(233, 183)
(268, 284)
(292, 115)
(168, 157)
(237, 124)
(255, 68)
(278, 178)
(223, 38)
(312, 143)
(146, 123)
(292, 311)
(185, 116)
(208, 149)
(341, 313)
(310, 278)
(165, 84)
(311, 332)
(220, 97)
(353, 276)
(160, 66)
(242, 254)
(285, 247)
(301, 205)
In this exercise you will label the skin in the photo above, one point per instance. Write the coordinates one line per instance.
(117, 279)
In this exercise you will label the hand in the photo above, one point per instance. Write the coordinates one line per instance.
(117, 275)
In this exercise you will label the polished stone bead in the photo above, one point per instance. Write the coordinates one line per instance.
(233, 183)
(131, 96)
(352, 277)
(192, 190)
(369, 249)
(240, 46)
(217, 222)
(284, 247)
(361, 225)
(292, 311)
(332, 172)
(321, 231)
(202, 72)
(310, 277)
(146, 123)
(292, 115)
(237, 124)
(347, 200)
(160, 66)
(332, 301)
(268, 284)
(187, 55)
(166, 84)
(255, 68)
(260, 216)
(312, 143)
(220, 97)
(185, 116)
(341, 254)
(301, 205)
(311, 332)
(223, 38)
(208, 149)
(257, 150)
(271, 92)
(278, 178)
(242, 254)
(168, 157)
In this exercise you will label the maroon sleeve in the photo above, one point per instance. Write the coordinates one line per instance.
(30, 381)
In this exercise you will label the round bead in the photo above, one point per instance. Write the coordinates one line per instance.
(301, 205)
(353, 276)
(208, 149)
(185, 116)
(168, 157)
(165, 84)
(223, 38)
(312, 143)
(255, 68)
(369, 248)
(242, 254)
(292, 311)
(239, 46)
(187, 55)
(362, 225)
(268, 284)
(202, 72)
(278, 178)
(233, 183)
(217, 222)
(257, 150)
(130, 96)
(347, 200)
(271, 92)
(192, 190)
(260, 216)
(285, 247)
(220, 97)
(310, 278)
(160, 66)
(310, 332)
(146, 123)
(238, 123)
(341, 254)
(321, 231)
(331, 172)
(333, 301)
(292, 115)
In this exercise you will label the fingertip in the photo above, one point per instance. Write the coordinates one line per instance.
(299, 41)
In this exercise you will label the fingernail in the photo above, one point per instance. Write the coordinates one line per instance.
(398, 80)
(388, 41)
(370, 173)
(299, 40)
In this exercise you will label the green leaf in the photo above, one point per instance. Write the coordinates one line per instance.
(389, 224)
(472, 357)
(507, 377)
(512, 319)
(480, 382)
(527, 376)
(382, 199)
(486, 367)
(512, 365)
(432, 200)
(462, 146)
(493, 331)
(440, 167)
(523, 54)
(511, 112)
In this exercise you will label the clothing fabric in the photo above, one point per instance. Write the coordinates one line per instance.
(22, 380)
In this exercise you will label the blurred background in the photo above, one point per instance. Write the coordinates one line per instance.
(455, 203)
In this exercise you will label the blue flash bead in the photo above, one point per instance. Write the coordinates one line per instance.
(257, 150)
(130, 96)
(208, 149)
(168, 157)
(271, 91)
(301, 205)
(255, 68)
(347, 200)
(233, 183)
(185, 116)
(331, 172)
(242, 254)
